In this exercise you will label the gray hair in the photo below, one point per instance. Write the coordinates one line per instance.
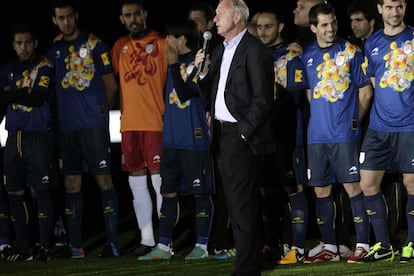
(241, 7)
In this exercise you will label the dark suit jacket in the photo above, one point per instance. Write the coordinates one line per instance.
(248, 92)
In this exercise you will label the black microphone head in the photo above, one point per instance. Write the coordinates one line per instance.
(207, 35)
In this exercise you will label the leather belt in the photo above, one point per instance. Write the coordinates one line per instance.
(225, 123)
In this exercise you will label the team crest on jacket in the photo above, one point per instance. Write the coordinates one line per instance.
(83, 52)
(340, 59)
(149, 48)
(408, 47)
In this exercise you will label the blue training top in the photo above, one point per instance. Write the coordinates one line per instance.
(334, 76)
(391, 62)
(80, 93)
(185, 123)
(36, 75)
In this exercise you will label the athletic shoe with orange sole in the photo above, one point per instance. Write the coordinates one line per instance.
(156, 254)
(292, 257)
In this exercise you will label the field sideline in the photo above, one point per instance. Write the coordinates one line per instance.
(128, 265)
(183, 242)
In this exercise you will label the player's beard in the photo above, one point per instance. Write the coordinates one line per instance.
(135, 28)
(394, 21)
(69, 31)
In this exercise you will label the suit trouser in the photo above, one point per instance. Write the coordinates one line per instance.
(220, 237)
(237, 169)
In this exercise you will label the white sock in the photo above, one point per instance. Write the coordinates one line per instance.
(4, 245)
(164, 247)
(156, 184)
(143, 208)
(363, 245)
(331, 247)
(203, 246)
(300, 250)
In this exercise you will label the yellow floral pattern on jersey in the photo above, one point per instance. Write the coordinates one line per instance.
(28, 81)
(280, 67)
(173, 97)
(400, 65)
(80, 65)
(334, 74)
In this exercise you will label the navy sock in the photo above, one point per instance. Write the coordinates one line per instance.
(409, 209)
(361, 221)
(299, 219)
(325, 213)
(377, 213)
(168, 219)
(4, 220)
(204, 218)
(20, 218)
(74, 212)
(110, 211)
(44, 216)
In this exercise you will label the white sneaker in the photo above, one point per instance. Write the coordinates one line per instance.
(316, 250)
(324, 256)
(344, 251)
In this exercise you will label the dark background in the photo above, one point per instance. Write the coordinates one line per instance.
(102, 17)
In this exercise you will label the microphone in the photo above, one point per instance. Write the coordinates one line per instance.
(207, 35)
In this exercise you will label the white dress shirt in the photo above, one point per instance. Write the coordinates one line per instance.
(221, 111)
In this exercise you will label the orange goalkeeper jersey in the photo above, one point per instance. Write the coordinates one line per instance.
(142, 67)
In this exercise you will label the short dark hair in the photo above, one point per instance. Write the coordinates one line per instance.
(129, 2)
(381, 2)
(23, 27)
(366, 7)
(208, 10)
(187, 28)
(276, 13)
(319, 9)
(59, 4)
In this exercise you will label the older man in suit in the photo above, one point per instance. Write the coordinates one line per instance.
(239, 87)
